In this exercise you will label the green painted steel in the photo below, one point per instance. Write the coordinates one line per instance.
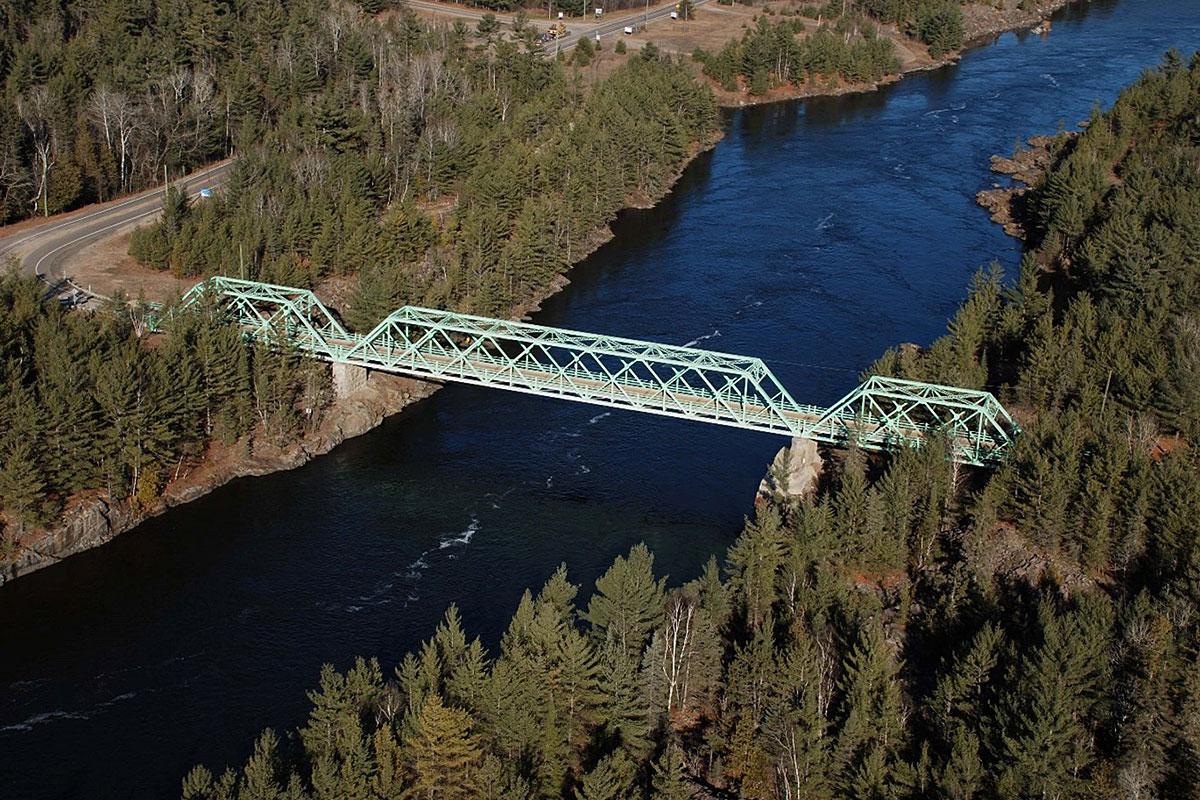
(882, 413)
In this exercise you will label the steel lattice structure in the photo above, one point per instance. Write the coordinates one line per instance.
(881, 414)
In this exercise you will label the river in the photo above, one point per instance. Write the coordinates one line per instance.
(815, 235)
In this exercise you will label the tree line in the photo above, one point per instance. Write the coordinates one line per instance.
(770, 55)
(913, 630)
(846, 45)
(936, 23)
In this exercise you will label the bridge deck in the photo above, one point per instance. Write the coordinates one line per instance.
(702, 385)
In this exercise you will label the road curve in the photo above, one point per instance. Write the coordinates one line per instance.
(43, 249)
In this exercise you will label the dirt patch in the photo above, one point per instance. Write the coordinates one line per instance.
(1165, 445)
(106, 267)
(710, 27)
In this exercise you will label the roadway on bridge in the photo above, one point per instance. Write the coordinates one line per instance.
(44, 248)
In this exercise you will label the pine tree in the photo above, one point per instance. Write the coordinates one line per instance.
(963, 693)
(624, 712)
(795, 722)
(22, 490)
(608, 780)
(627, 604)
(444, 756)
(754, 560)
(669, 779)
(259, 777)
(872, 731)
(1046, 746)
(388, 782)
(962, 777)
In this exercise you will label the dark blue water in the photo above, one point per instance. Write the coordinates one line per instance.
(815, 236)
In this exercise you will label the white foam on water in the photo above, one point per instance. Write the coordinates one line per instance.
(42, 718)
(56, 715)
(703, 338)
(462, 538)
(417, 567)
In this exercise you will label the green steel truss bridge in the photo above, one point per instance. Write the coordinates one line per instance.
(673, 381)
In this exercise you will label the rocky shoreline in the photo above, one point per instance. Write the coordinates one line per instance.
(1026, 167)
(92, 520)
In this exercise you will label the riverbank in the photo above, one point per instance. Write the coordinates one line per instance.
(981, 24)
(91, 519)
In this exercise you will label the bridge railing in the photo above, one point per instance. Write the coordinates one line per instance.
(882, 413)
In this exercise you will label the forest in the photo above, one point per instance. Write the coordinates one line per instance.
(103, 98)
(413, 163)
(438, 166)
(915, 630)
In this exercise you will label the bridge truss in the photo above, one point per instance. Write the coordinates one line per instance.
(703, 385)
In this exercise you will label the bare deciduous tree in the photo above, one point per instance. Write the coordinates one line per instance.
(34, 108)
(117, 115)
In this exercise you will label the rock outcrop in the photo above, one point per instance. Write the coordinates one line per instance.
(1004, 203)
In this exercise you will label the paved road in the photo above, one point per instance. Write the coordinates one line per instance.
(617, 25)
(43, 250)
(576, 28)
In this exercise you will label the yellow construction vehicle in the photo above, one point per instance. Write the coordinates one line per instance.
(555, 31)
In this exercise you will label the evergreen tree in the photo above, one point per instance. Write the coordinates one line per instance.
(627, 603)
(444, 756)
(669, 778)
(22, 490)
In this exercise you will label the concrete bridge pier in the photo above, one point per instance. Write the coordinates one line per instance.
(794, 473)
(347, 379)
